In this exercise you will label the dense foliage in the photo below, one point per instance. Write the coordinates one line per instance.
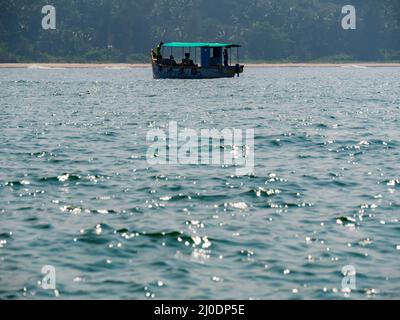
(125, 30)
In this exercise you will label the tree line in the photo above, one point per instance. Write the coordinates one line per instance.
(268, 30)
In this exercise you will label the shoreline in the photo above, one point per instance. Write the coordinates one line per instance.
(148, 65)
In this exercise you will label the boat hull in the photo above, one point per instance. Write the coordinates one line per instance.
(178, 72)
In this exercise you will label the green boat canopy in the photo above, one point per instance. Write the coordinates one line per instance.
(199, 45)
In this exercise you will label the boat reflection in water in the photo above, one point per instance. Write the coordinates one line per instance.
(215, 61)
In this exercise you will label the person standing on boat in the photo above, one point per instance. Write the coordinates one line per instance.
(158, 51)
(226, 58)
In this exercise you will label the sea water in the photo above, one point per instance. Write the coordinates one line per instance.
(79, 197)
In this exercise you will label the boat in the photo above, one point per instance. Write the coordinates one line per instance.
(215, 61)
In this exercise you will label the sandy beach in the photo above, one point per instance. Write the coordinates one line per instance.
(248, 65)
(322, 65)
(73, 65)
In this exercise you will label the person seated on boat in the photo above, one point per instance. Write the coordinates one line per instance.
(226, 58)
(186, 60)
(172, 60)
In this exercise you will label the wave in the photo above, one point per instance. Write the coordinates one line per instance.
(41, 67)
(117, 68)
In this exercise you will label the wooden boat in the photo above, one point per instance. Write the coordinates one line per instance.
(215, 61)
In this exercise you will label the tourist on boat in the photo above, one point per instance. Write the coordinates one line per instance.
(226, 58)
(158, 51)
(172, 60)
(187, 61)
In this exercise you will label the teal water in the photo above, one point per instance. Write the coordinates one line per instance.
(77, 193)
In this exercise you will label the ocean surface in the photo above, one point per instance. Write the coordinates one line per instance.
(77, 191)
